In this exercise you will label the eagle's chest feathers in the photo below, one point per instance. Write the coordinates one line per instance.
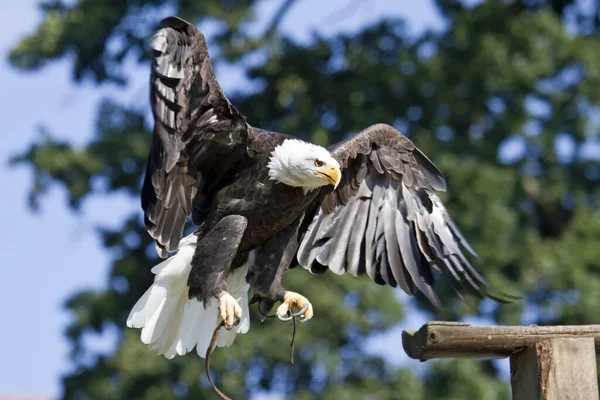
(271, 208)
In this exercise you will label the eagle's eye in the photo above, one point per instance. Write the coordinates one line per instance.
(319, 163)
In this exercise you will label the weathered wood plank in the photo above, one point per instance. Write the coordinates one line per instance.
(458, 340)
(525, 378)
(555, 369)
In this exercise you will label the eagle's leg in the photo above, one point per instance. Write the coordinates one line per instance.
(272, 260)
(210, 268)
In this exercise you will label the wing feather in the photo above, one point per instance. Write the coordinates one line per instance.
(378, 196)
(387, 220)
(355, 262)
(339, 243)
(199, 138)
(394, 258)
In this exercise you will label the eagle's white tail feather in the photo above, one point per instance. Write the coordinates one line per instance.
(171, 323)
(170, 317)
(206, 326)
(190, 323)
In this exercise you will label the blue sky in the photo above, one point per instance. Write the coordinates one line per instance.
(51, 254)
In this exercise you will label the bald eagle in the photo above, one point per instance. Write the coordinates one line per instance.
(264, 202)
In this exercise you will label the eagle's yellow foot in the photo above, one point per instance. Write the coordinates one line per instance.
(229, 309)
(294, 301)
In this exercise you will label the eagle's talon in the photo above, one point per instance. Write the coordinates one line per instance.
(264, 308)
(236, 322)
(301, 312)
(306, 318)
(293, 301)
(229, 310)
(284, 319)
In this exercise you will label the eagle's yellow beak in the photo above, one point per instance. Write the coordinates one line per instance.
(331, 174)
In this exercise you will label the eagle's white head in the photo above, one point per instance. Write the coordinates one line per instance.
(301, 164)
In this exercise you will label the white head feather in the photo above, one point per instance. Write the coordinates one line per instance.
(301, 164)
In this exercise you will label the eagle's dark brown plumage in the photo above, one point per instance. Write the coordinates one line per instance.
(264, 202)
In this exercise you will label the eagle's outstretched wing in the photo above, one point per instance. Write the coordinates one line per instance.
(199, 137)
(384, 219)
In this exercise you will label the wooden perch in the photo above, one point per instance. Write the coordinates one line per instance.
(459, 340)
(555, 369)
(546, 362)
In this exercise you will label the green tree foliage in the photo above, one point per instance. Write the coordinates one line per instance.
(521, 73)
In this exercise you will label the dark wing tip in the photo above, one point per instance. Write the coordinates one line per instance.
(501, 296)
(434, 176)
(174, 22)
(484, 289)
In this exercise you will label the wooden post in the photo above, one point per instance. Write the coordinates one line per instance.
(555, 369)
(547, 362)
